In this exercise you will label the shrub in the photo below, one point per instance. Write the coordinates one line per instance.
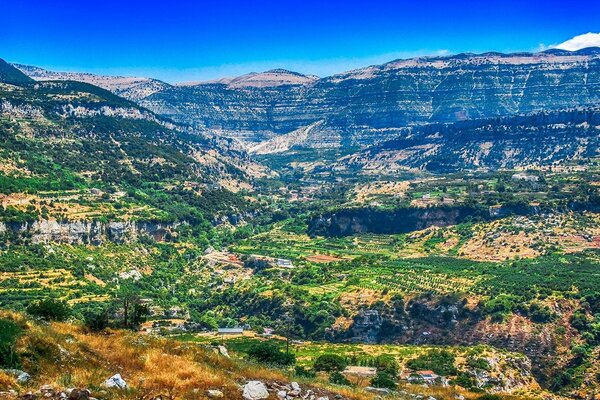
(304, 373)
(50, 310)
(269, 353)
(96, 319)
(385, 380)
(330, 363)
(338, 378)
(9, 333)
(489, 397)
(439, 361)
(464, 381)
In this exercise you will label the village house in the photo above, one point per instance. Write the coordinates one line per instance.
(424, 376)
(284, 263)
(231, 331)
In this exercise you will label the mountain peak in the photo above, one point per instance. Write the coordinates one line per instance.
(271, 78)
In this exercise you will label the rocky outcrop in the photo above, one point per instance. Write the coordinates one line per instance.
(401, 220)
(88, 232)
(536, 139)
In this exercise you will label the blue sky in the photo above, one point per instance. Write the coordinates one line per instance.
(197, 40)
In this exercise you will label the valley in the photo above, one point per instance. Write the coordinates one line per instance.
(426, 217)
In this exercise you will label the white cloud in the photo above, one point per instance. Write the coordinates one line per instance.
(580, 42)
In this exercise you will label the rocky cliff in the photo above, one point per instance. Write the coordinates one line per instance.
(366, 105)
(540, 138)
(88, 232)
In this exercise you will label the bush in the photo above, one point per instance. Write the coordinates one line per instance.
(439, 361)
(489, 397)
(269, 353)
(338, 378)
(464, 381)
(50, 310)
(9, 333)
(304, 373)
(385, 380)
(96, 319)
(330, 363)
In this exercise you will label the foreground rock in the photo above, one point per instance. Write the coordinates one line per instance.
(115, 381)
(214, 394)
(22, 376)
(255, 390)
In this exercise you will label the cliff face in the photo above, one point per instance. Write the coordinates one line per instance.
(502, 142)
(88, 232)
(366, 105)
(401, 220)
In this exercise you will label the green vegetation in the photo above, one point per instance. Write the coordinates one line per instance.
(439, 361)
(9, 333)
(330, 363)
(50, 310)
(268, 353)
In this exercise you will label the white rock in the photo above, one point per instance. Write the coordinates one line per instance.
(115, 381)
(296, 387)
(282, 394)
(377, 390)
(255, 390)
(214, 394)
(223, 351)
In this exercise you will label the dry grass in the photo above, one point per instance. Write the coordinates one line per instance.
(65, 355)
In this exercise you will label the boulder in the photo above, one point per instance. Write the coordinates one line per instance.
(377, 390)
(79, 394)
(115, 381)
(22, 376)
(255, 390)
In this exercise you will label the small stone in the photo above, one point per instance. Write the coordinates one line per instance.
(282, 394)
(377, 390)
(214, 394)
(223, 351)
(115, 381)
(296, 387)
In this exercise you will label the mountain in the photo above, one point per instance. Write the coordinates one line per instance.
(61, 137)
(132, 88)
(363, 106)
(271, 78)
(11, 75)
(367, 105)
(502, 142)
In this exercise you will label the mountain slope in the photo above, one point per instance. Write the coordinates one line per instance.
(506, 142)
(61, 139)
(364, 106)
(132, 88)
(11, 75)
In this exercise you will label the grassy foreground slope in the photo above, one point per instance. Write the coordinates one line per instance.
(65, 356)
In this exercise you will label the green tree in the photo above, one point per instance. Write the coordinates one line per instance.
(266, 352)
(330, 363)
(50, 309)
